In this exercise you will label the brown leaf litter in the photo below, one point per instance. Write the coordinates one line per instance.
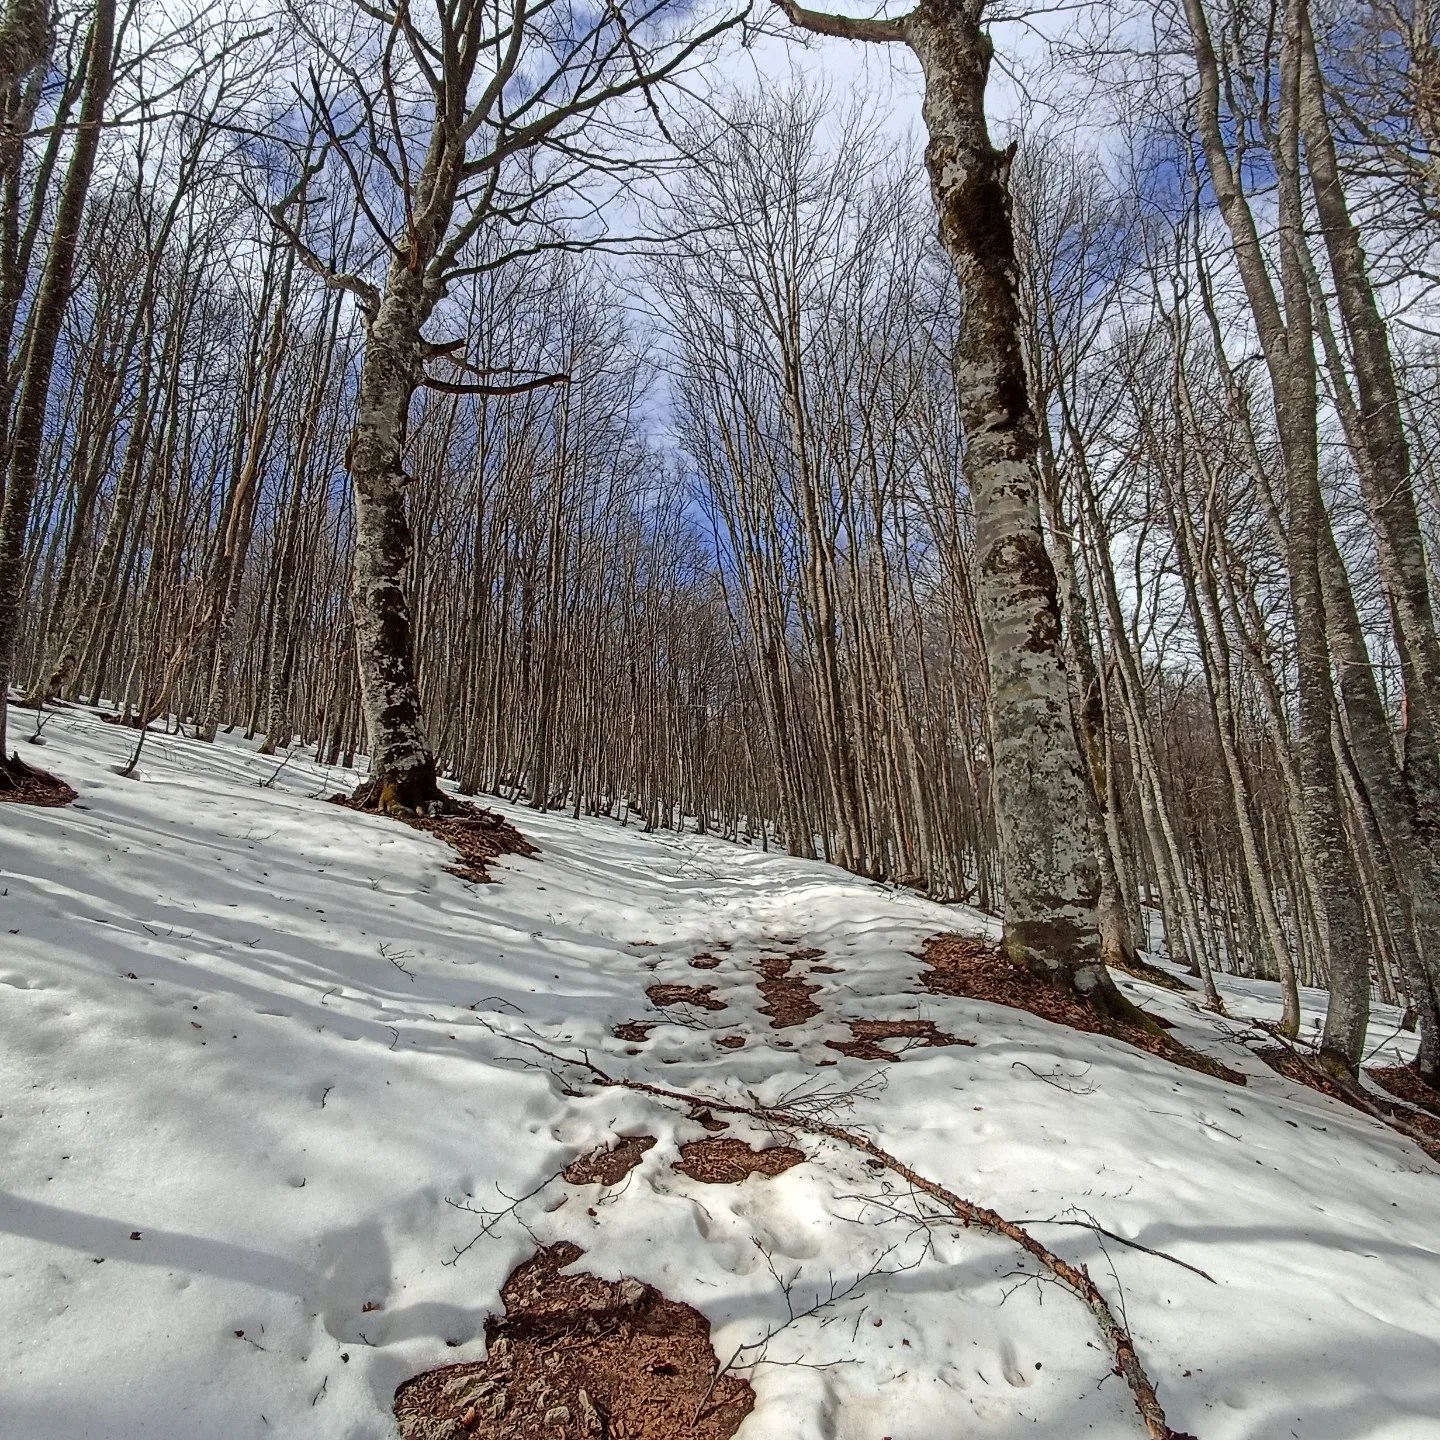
(865, 1036)
(703, 996)
(1422, 1128)
(787, 996)
(24, 784)
(726, 1160)
(1404, 1082)
(604, 1166)
(576, 1357)
(976, 970)
(632, 1030)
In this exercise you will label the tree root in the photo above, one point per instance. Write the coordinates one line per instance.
(404, 798)
(1335, 1069)
(26, 784)
(477, 836)
(976, 970)
(1074, 1277)
(1111, 1004)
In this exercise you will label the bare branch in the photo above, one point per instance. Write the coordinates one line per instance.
(842, 27)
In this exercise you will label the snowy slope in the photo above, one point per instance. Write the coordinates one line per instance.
(253, 1042)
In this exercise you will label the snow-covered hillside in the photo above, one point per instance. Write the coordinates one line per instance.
(253, 1045)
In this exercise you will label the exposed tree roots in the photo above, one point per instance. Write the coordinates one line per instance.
(416, 792)
(22, 784)
(1339, 1084)
(1406, 1083)
(974, 969)
(1073, 1277)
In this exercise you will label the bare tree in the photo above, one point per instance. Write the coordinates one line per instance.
(1047, 856)
(472, 120)
(42, 339)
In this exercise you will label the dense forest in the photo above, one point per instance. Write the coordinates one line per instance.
(528, 395)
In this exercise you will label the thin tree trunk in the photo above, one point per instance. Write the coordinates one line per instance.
(47, 316)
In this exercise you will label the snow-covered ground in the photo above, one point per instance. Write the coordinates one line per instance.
(252, 1043)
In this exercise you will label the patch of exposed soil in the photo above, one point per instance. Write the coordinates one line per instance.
(801, 956)
(632, 1030)
(576, 1357)
(1405, 1083)
(702, 995)
(609, 1167)
(477, 836)
(707, 1120)
(975, 969)
(826, 970)
(865, 1036)
(1425, 1129)
(730, 1042)
(727, 1161)
(22, 784)
(705, 962)
(787, 996)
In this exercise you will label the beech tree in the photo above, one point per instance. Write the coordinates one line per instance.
(42, 326)
(1045, 813)
(448, 128)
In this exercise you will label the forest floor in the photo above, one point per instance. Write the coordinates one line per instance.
(269, 1094)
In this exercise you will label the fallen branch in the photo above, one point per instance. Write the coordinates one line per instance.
(1057, 1078)
(398, 958)
(1090, 1223)
(1073, 1277)
(492, 1218)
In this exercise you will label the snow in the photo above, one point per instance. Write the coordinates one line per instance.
(253, 1044)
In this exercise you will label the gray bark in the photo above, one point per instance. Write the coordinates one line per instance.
(1287, 342)
(1050, 874)
(47, 316)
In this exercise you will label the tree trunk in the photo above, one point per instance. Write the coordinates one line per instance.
(46, 319)
(1383, 458)
(1287, 340)
(26, 33)
(1050, 875)
(402, 769)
